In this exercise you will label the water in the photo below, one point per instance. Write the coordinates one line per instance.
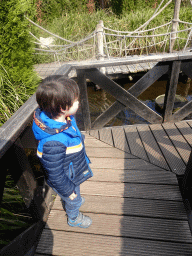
(99, 100)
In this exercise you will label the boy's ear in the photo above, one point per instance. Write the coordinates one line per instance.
(63, 111)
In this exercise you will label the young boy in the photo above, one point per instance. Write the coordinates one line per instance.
(61, 146)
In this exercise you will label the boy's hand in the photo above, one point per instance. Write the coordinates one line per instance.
(72, 196)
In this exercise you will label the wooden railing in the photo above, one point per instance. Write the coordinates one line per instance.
(171, 64)
(16, 134)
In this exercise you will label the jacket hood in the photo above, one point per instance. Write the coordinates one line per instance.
(44, 127)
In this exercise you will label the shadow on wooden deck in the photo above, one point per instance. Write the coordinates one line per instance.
(136, 208)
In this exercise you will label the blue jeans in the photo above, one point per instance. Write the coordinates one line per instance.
(71, 206)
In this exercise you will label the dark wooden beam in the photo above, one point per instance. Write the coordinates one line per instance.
(35, 197)
(123, 96)
(139, 87)
(132, 60)
(171, 91)
(3, 177)
(16, 124)
(28, 139)
(182, 112)
(187, 180)
(21, 172)
(81, 80)
(24, 242)
(64, 70)
(186, 67)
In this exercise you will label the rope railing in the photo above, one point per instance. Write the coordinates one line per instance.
(145, 39)
(115, 43)
(59, 37)
(137, 32)
(149, 36)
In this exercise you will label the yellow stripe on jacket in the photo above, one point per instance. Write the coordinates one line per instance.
(74, 149)
(39, 154)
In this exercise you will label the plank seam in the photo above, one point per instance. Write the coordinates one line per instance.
(146, 152)
(127, 182)
(135, 198)
(182, 134)
(124, 236)
(141, 198)
(99, 135)
(139, 216)
(173, 145)
(112, 137)
(143, 145)
(160, 149)
(127, 142)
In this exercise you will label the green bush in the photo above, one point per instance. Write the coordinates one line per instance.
(15, 42)
(16, 47)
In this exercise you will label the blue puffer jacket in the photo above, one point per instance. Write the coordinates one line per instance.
(62, 153)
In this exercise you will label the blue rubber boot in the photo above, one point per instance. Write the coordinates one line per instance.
(82, 221)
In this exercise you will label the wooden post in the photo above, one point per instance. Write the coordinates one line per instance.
(22, 173)
(99, 30)
(81, 80)
(174, 25)
(171, 91)
(100, 49)
(23, 176)
(102, 4)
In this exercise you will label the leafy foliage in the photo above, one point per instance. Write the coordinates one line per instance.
(15, 41)
(16, 62)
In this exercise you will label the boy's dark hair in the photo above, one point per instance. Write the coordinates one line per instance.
(56, 92)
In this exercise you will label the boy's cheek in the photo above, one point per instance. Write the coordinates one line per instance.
(73, 109)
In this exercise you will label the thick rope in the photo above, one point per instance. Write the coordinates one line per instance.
(141, 31)
(149, 36)
(147, 22)
(47, 31)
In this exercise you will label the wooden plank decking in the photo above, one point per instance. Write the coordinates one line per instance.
(47, 69)
(133, 199)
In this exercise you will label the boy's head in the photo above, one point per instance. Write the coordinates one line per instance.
(56, 93)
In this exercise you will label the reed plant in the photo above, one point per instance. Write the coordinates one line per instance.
(13, 94)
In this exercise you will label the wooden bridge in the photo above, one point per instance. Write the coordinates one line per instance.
(135, 205)
(140, 195)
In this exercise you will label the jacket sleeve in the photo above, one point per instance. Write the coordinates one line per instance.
(53, 160)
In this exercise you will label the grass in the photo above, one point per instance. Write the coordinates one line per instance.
(13, 95)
